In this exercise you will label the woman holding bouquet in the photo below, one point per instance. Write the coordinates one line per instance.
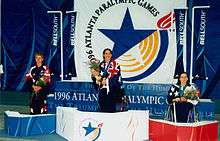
(38, 79)
(182, 94)
(111, 73)
(109, 82)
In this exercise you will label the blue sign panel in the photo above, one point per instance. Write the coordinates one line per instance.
(150, 97)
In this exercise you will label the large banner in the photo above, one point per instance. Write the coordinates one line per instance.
(143, 35)
(68, 66)
(139, 33)
(140, 96)
(54, 60)
(180, 18)
(199, 41)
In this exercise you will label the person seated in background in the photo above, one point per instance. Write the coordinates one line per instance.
(38, 78)
(184, 95)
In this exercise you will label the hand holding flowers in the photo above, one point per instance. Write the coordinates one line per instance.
(191, 94)
(41, 82)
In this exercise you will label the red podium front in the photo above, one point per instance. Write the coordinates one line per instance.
(161, 130)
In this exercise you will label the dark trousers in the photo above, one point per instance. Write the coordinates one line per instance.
(37, 102)
(182, 111)
(106, 101)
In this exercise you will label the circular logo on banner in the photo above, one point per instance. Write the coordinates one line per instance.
(90, 129)
(137, 34)
(139, 52)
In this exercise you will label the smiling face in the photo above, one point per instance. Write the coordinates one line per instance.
(183, 79)
(107, 55)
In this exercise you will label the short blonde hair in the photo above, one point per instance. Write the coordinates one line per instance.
(39, 54)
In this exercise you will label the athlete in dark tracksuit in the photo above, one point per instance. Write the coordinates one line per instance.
(38, 79)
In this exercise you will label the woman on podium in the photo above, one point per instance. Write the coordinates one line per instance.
(183, 95)
(38, 78)
(109, 82)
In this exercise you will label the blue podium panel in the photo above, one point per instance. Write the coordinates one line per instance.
(26, 125)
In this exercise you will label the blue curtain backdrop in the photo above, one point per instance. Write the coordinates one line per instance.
(25, 31)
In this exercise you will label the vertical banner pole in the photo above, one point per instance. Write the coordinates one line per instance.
(1, 66)
(174, 111)
(0, 37)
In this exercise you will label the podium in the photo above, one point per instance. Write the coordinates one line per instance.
(17, 124)
(161, 130)
(76, 125)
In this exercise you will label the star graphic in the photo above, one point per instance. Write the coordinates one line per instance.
(126, 37)
(176, 93)
(89, 129)
(172, 89)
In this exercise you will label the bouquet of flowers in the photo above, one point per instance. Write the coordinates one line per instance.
(95, 70)
(94, 64)
(42, 81)
(191, 94)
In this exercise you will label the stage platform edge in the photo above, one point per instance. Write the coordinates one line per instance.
(161, 130)
(17, 124)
